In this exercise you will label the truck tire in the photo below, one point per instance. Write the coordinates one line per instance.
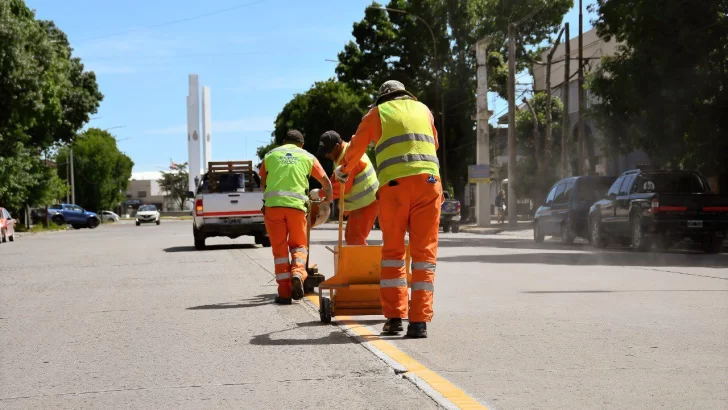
(567, 238)
(92, 223)
(538, 236)
(199, 239)
(596, 237)
(640, 241)
(262, 240)
(58, 220)
(713, 245)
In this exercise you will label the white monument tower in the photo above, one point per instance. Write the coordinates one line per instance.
(193, 131)
(206, 128)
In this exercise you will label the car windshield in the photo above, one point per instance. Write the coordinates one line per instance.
(675, 183)
(151, 208)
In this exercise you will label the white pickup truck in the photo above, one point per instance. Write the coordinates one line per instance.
(228, 203)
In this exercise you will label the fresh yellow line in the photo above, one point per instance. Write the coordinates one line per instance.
(437, 382)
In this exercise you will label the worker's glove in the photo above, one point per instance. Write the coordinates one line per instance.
(340, 176)
(315, 194)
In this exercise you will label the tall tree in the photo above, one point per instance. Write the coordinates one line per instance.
(664, 91)
(101, 171)
(175, 183)
(393, 45)
(45, 98)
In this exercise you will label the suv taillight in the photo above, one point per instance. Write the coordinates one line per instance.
(198, 207)
(655, 208)
(457, 207)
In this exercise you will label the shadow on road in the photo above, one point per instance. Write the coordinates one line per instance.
(547, 292)
(336, 337)
(254, 302)
(601, 258)
(175, 249)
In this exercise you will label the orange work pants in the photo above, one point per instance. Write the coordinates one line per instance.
(360, 223)
(409, 203)
(287, 232)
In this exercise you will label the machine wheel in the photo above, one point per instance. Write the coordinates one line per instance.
(537, 234)
(566, 236)
(713, 245)
(639, 241)
(326, 310)
(595, 233)
(455, 228)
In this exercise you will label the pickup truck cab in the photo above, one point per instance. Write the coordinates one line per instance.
(646, 207)
(228, 203)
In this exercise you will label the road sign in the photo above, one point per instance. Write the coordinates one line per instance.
(479, 173)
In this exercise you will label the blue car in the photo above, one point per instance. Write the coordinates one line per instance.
(74, 215)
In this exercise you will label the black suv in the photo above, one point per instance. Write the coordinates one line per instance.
(645, 207)
(566, 209)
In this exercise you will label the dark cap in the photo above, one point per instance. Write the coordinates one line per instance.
(327, 142)
(294, 136)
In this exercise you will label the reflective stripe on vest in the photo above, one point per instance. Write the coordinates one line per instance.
(364, 188)
(288, 170)
(407, 146)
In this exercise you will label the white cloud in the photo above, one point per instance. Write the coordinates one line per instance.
(222, 126)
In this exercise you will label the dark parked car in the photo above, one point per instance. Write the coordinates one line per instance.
(566, 211)
(645, 207)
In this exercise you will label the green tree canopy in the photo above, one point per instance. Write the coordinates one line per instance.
(175, 183)
(392, 45)
(665, 91)
(45, 98)
(101, 171)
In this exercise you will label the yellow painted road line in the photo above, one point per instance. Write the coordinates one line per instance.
(437, 382)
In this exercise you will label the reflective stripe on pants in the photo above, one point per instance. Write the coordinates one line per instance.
(287, 232)
(412, 203)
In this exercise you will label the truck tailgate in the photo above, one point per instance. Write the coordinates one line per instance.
(234, 204)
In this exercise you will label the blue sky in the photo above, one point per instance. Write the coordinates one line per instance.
(254, 58)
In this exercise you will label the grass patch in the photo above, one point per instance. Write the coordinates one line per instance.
(40, 228)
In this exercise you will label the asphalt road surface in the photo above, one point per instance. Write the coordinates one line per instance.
(133, 317)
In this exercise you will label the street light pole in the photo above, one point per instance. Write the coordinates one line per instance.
(443, 132)
(73, 184)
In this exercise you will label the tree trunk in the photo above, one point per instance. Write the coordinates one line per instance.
(549, 124)
(536, 138)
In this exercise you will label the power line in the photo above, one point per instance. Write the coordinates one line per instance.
(168, 23)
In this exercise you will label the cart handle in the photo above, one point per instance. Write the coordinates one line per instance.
(341, 215)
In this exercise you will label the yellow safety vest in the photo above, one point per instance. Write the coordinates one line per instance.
(288, 170)
(407, 146)
(364, 190)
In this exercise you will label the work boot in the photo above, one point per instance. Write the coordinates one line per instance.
(283, 301)
(417, 330)
(297, 290)
(393, 326)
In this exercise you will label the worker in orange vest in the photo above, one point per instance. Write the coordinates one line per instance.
(410, 195)
(284, 176)
(360, 192)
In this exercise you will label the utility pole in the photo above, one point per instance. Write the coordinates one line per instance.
(581, 91)
(565, 131)
(73, 185)
(68, 176)
(482, 204)
(512, 215)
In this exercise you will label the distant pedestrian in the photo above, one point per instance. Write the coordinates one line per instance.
(500, 203)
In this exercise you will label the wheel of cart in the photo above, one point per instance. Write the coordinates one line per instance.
(354, 288)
